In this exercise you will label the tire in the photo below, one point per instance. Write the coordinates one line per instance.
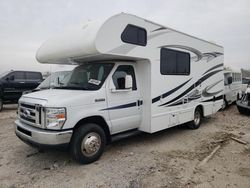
(195, 124)
(1, 105)
(88, 143)
(224, 105)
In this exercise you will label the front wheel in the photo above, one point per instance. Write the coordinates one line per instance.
(195, 124)
(88, 143)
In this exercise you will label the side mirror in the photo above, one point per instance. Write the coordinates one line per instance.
(229, 80)
(128, 82)
(10, 78)
(124, 83)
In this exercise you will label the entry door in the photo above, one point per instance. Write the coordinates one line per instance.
(124, 105)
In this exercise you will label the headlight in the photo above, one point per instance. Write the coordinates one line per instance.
(55, 118)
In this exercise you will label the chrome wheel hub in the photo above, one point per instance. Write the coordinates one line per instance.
(91, 144)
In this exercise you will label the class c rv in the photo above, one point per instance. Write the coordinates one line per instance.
(132, 75)
(232, 85)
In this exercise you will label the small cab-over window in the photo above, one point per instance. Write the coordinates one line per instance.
(174, 62)
(134, 35)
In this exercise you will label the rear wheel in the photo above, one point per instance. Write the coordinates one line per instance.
(224, 105)
(195, 124)
(88, 143)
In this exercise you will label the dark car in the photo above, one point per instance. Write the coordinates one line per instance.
(14, 83)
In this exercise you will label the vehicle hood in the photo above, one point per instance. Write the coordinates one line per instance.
(63, 97)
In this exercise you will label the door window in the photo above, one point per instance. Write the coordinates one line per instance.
(120, 75)
(33, 76)
(19, 76)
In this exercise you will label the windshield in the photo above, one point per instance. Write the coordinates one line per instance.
(88, 76)
(4, 74)
(55, 79)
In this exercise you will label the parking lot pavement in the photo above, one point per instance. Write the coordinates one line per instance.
(170, 158)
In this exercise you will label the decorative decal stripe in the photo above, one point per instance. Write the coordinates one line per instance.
(156, 99)
(198, 54)
(169, 92)
(190, 49)
(214, 99)
(181, 102)
(215, 54)
(215, 67)
(192, 87)
(206, 93)
(209, 100)
(121, 106)
(161, 28)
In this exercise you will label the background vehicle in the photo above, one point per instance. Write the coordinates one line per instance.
(232, 85)
(245, 83)
(243, 105)
(133, 75)
(14, 83)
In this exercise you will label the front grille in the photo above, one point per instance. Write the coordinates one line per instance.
(31, 114)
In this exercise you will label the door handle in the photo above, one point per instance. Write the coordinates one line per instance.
(21, 82)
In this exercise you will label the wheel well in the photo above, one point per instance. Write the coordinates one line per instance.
(225, 98)
(201, 109)
(97, 120)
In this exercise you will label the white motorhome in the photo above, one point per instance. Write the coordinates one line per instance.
(133, 75)
(232, 85)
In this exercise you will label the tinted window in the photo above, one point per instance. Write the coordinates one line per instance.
(33, 76)
(19, 76)
(134, 35)
(174, 62)
(121, 72)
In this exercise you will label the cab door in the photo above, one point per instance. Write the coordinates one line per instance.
(124, 105)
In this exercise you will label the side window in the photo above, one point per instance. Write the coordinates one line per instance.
(33, 76)
(134, 35)
(19, 76)
(120, 74)
(174, 62)
(10, 76)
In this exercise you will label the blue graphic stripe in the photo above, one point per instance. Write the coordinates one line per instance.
(215, 67)
(192, 87)
(169, 92)
(121, 106)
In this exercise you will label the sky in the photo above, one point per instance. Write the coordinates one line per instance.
(26, 24)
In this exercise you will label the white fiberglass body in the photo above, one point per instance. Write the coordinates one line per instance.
(232, 84)
(161, 95)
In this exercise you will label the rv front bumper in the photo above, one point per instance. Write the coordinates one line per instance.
(42, 138)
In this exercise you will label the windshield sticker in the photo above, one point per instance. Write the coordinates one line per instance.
(95, 82)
